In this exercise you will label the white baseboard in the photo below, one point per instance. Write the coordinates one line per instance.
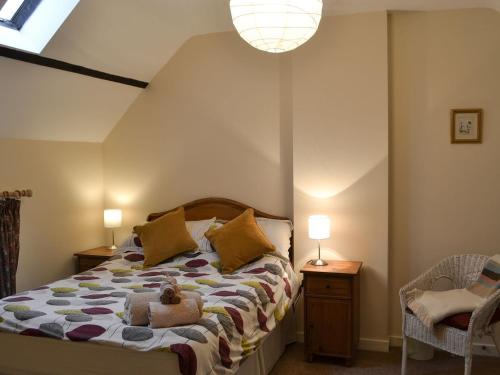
(478, 348)
(378, 345)
(396, 341)
(373, 345)
(489, 350)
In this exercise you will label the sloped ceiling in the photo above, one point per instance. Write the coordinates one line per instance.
(133, 39)
(125, 37)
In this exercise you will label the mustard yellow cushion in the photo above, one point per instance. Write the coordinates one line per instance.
(165, 237)
(239, 242)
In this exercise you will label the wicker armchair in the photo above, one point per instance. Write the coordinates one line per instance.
(461, 270)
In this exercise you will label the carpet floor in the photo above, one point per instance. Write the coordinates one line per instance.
(292, 363)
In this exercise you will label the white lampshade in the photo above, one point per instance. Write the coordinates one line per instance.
(112, 218)
(276, 25)
(319, 227)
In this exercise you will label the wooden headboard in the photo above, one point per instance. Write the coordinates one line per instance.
(221, 208)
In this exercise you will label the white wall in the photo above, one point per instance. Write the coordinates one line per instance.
(209, 125)
(222, 119)
(340, 154)
(65, 213)
(48, 104)
(445, 197)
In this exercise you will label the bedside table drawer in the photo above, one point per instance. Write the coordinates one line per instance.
(85, 264)
(330, 286)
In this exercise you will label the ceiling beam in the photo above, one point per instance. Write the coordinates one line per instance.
(61, 65)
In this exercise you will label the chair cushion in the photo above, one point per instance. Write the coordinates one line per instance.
(461, 321)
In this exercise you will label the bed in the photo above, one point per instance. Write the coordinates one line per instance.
(74, 325)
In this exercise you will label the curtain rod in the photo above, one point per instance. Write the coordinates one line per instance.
(16, 194)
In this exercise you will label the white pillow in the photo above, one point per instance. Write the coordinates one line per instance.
(196, 229)
(278, 232)
(129, 244)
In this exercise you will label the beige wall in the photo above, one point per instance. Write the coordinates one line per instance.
(445, 198)
(340, 154)
(222, 118)
(63, 106)
(65, 213)
(208, 125)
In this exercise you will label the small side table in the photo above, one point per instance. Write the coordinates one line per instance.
(91, 258)
(331, 309)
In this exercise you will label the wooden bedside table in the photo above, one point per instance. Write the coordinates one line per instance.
(92, 258)
(331, 309)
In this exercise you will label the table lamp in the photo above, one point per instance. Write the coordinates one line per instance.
(112, 219)
(319, 229)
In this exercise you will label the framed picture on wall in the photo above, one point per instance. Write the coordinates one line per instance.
(466, 126)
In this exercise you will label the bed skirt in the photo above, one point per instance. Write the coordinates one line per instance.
(25, 355)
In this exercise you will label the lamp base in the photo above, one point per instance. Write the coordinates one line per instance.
(318, 262)
(112, 247)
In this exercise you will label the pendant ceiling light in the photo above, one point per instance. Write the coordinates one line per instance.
(276, 25)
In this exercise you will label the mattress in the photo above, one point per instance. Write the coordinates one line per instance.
(58, 357)
(240, 309)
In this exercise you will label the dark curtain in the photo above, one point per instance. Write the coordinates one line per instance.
(9, 245)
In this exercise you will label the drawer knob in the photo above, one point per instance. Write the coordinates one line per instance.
(328, 286)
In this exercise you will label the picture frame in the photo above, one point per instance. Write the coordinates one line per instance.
(466, 126)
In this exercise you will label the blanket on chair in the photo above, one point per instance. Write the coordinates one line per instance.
(433, 306)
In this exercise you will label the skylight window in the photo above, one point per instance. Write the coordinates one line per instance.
(30, 24)
(9, 8)
(14, 13)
